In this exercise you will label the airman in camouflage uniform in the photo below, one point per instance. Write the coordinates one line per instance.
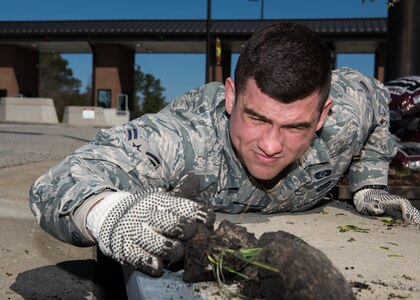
(191, 136)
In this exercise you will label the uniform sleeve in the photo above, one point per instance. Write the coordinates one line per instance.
(371, 166)
(126, 158)
(153, 151)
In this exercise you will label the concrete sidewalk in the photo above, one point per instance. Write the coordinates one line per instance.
(383, 263)
(34, 265)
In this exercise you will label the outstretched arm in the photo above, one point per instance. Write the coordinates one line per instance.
(121, 159)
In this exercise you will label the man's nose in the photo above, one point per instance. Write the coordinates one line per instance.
(271, 142)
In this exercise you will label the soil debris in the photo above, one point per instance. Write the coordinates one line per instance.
(398, 296)
(360, 285)
(285, 267)
(354, 228)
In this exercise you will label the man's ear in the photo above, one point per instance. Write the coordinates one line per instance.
(230, 95)
(324, 113)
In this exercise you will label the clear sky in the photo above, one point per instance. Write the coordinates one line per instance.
(181, 72)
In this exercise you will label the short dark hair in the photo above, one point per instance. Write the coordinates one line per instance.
(288, 62)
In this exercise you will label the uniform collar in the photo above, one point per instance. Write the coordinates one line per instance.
(316, 154)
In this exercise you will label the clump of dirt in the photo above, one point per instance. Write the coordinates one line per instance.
(304, 272)
(227, 236)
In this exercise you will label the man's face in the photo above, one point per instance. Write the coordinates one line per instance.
(267, 134)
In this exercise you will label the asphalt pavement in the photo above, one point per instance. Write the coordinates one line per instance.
(381, 263)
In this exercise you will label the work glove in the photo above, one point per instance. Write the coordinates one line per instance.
(377, 202)
(145, 229)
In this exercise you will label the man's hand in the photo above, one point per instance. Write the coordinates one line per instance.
(378, 202)
(144, 229)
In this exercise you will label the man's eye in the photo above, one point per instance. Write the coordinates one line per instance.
(256, 119)
(298, 128)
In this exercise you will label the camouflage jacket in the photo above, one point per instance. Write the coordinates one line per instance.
(191, 135)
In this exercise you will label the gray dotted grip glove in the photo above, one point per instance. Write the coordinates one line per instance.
(144, 229)
(380, 202)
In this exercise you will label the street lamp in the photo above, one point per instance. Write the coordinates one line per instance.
(262, 7)
(208, 42)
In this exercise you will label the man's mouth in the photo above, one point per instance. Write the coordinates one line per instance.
(266, 159)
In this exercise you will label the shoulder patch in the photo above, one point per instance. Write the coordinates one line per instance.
(142, 146)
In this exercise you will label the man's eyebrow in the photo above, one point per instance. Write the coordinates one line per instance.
(253, 113)
(298, 125)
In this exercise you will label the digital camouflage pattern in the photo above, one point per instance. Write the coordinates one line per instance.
(191, 136)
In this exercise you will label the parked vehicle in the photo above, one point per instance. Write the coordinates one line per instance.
(405, 120)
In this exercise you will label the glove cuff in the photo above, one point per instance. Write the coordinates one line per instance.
(98, 213)
(80, 214)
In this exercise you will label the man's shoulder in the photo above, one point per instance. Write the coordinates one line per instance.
(345, 76)
(209, 92)
(206, 100)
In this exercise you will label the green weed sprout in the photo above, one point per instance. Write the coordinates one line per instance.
(243, 257)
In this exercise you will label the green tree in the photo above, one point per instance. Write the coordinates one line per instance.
(149, 93)
(56, 81)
